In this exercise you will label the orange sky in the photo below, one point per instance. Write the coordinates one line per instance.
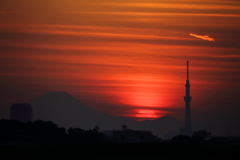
(124, 58)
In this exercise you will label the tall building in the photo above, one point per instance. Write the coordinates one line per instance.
(188, 98)
(21, 112)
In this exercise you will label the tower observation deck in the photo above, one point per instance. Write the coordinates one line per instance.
(187, 99)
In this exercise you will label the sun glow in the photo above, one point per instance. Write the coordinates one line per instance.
(143, 91)
(145, 114)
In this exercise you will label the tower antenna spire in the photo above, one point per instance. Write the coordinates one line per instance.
(187, 99)
(187, 70)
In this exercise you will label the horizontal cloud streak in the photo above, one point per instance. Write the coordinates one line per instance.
(158, 14)
(205, 37)
(170, 5)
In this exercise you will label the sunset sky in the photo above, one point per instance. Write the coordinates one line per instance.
(123, 57)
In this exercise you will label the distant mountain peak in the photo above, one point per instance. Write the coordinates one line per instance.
(67, 111)
(57, 93)
(168, 118)
(55, 96)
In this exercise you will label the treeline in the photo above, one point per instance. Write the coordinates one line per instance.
(204, 137)
(46, 132)
(12, 131)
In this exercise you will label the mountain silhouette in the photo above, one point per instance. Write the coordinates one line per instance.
(162, 125)
(66, 111)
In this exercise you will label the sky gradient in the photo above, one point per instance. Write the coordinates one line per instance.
(124, 58)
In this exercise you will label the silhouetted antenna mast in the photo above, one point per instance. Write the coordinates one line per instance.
(187, 70)
(187, 99)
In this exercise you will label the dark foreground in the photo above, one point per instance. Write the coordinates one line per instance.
(137, 151)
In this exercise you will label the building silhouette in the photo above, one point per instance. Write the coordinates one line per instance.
(187, 99)
(21, 112)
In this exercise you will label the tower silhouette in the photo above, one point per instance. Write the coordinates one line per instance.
(188, 98)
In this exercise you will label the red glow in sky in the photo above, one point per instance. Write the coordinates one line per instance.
(130, 55)
(146, 114)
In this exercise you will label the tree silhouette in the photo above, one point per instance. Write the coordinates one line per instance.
(181, 139)
(11, 131)
(200, 136)
(77, 135)
(46, 131)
